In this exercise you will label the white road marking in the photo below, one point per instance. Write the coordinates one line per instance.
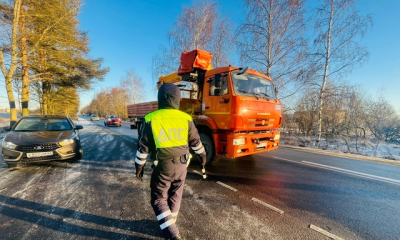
(326, 233)
(341, 170)
(224, 185)
(267, 205)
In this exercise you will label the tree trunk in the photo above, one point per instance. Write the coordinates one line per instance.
(325, 77)
(13, 63)
(11, 100)
(46, 92)
(269, 36)
(25, 77)
(45, 84)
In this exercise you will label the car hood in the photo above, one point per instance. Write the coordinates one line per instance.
(38, 137)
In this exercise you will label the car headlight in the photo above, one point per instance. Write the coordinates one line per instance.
(66, 142)
(8, 145)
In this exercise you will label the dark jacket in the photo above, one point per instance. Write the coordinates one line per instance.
(168, 98)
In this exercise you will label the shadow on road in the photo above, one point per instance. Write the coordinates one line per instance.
(141, 226)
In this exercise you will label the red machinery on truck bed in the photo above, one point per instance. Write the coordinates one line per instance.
(236, 110)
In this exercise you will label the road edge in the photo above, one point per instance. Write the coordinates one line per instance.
(345, 155)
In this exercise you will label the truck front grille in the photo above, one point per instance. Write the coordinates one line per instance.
(261, 122)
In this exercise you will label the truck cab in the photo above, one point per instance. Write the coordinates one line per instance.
(235, 110)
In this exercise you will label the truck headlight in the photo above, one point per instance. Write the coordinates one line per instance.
(277, 137)
(66, 142)
(8, 145)
(238, 141)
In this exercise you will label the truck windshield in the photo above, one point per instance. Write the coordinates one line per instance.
(252, 85)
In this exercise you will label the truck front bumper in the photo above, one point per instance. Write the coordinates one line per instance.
(243, 144)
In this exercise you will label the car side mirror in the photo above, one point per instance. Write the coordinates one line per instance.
(6, 128)
(78, 127)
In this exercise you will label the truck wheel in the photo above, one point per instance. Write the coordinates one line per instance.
(208, 144)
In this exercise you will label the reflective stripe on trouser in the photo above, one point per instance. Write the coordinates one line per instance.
(167, 181)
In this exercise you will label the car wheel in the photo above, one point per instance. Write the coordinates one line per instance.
(78, 155)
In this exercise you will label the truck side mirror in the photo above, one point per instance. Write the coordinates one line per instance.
(6, 128)
(242, 71)
(276, 92)
(217, 80)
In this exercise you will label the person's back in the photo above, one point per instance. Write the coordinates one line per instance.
(167, 134)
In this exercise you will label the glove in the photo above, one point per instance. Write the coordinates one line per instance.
(139, 171)
(154, 165)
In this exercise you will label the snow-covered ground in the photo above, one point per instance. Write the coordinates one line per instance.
(364, 146)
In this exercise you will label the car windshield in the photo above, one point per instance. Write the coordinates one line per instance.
(113, 116)
(43, 124)
(252, 85)
(94, 115)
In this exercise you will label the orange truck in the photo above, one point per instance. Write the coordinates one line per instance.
(236, 110)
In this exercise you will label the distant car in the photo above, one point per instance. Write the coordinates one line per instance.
(112, 120)
(94, 117)
(38, 138)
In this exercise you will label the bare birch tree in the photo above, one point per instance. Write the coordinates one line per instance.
(271, 40)
(198, 27)
(222, 43)
(134, 88)
(338, 27)
(10, 33)
(380, 116)
(305, 112)
(355, 116)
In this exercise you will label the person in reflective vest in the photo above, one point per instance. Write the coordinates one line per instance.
(167, 135)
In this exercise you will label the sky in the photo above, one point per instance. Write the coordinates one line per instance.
(127, 34)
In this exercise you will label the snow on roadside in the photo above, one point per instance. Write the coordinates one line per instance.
(364, 147)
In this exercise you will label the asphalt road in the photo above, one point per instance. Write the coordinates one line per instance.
(284, 194)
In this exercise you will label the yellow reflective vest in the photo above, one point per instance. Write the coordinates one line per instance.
(170, 127)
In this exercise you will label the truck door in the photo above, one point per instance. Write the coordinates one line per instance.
(216, 102)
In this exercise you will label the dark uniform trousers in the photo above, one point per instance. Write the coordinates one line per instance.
(167, 181)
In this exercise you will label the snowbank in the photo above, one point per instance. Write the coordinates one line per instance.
(368, 146)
